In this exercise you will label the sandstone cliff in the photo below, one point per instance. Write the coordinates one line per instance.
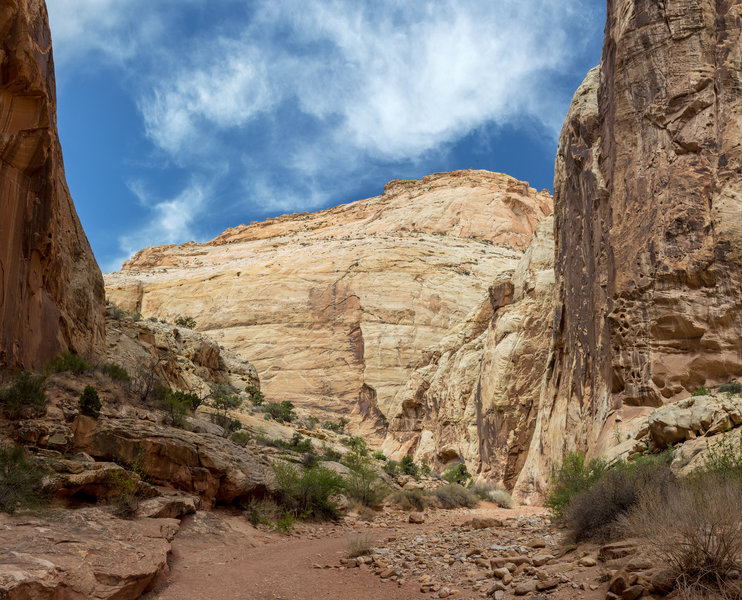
(51, 290)
(648, 208)
(475, 396)
(335, 308)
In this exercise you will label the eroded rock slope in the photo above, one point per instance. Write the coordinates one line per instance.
(335, 308)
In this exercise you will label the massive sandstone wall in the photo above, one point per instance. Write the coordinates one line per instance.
(475, 395)
(648, 208)
(51, 290)
(335, 308)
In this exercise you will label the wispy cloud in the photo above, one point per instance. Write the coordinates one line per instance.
(299, 96)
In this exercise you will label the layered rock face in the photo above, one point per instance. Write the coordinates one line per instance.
(336, 308)
(648, 207)
(475, 396)
(51, 290)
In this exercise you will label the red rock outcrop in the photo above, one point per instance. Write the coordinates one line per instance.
(648, 206)
(51, 289)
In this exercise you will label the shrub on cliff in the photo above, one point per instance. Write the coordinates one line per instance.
(408, 466)
(175, 403)
(66, 361)
(89, 402)
(362, 482)
(283, 412)
(115, 372)
(25, 396)
(724, 456)
(735, 387)
(187, 322)
(21, 480)
(254, 394)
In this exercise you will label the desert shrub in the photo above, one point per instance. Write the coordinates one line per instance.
(338, 427)
(724, 456)
(702, 391)
(177, 404)
(241, 438)
(115, 372)
(360, 545)
(26, 393)
(391, 467)
(21, 480)
(457, 474)
(408, 466)
(89, 402)
(264, 511)
(283, 412)
(309, 459)
(454, 495)
(379, 455)
(362, 482)
(572, 478)
(694, 529)
(254, 395)
(492, 492)
(117, 313)
(223, 399)
(187, 322)
(66, 361)
(595, 512)
(424, 467)
(136, 315)
(330, 454)
(311, 422)
(409, 499)
(298, 443)
(306, 493)
(359, 445)
(735, 387)
(126, 500)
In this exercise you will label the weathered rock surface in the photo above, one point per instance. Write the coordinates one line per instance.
(648, 201)
(51, 289)
(87, 554)
(335, 308)
(474, 398)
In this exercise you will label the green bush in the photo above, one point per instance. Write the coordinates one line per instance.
(312, 422)
(283, 412)
(454, 495)
(66, 361)
(702, 391)
(457, 474)
(21, 481)
(358, 445)
(187, 322)
(379, 455)
(391, 467)
(25, 394)
(595, 512)
(126, 501)
(117, 313)
(241, 438)
(735, 387)
(89, 402)
(408, 466)
(330, 454)
(338, 427)
(409, 499)
(572, 478)
(724, 456)
(306, 493)
(255, 396)
(115, 372)
(298, 443)
(362, 482)
(424, 467)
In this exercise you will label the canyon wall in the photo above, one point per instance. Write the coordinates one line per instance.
(648, 209)
(51, 289)
(336, 308)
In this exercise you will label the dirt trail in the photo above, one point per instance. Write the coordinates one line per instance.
(220, 556)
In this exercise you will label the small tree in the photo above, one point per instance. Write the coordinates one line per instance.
(283, 412)
(408, 466)
(26, 393)
(457, 474)
(21, 480)
(223, 399)
(254, 394)
(89, 402)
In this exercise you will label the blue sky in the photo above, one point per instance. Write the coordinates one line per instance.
(180, 118)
